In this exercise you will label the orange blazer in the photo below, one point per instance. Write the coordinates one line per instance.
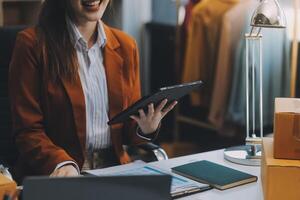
(49, 118)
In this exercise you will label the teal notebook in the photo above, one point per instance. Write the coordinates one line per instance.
(216, 175)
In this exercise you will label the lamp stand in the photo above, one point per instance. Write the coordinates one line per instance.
(250, 154)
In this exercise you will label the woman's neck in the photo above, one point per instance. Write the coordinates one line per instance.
(89, 32)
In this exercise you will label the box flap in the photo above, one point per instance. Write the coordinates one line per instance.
(271, 161)
(287, 105)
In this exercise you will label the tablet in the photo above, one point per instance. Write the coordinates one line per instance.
(172, 93)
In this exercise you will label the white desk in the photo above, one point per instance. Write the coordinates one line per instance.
(252, 191)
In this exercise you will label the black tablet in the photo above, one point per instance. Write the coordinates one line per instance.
(172, 93)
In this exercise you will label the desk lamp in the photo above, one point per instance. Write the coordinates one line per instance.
(267, 15)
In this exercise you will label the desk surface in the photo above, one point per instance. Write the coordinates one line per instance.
(252, 191)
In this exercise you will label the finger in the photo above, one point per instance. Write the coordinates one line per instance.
(70, 174)
(54, 174)
(135, 118)
(61, 173)
(142, 113)
(150, 110)
(161, 105)
(169, 108)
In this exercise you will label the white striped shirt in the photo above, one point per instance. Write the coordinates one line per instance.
(93, 81)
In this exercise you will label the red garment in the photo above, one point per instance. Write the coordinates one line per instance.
(188, 12)
(182, 37)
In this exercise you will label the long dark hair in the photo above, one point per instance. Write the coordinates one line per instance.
(57, 51)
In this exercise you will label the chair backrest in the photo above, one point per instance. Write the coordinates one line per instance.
(8, 151)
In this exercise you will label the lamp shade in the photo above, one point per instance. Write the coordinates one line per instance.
(269, 14)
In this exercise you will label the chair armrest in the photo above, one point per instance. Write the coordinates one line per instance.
(159, 153)
(4, 171)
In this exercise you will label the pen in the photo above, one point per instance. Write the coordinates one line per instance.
(190, 192)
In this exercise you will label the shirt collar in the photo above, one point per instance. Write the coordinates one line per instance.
(77, 38)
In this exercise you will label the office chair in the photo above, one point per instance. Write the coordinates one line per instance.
(8, 151)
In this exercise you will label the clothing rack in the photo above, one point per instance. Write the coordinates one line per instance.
(179, 117)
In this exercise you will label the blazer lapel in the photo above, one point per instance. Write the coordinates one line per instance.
(113, 64)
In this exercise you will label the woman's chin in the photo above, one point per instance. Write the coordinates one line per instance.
(93, 17)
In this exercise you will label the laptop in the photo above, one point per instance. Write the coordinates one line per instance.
(97, 188)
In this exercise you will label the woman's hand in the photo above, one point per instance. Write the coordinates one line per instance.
(65, 171)
(150, 122)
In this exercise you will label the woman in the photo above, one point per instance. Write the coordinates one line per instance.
(68, 76)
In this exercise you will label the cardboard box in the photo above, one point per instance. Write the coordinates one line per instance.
(280, 178)
(287, 128)
(7, 186)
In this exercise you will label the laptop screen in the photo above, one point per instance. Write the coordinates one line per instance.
(97, 188)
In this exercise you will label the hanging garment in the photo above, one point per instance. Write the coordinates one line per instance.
(181, 39)
(203, 45)
(276, 75)
(232, 33)
(188, 12)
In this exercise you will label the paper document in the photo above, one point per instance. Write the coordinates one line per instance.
(179, 184)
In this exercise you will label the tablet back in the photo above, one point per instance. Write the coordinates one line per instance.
(172, 93)
(97, 188)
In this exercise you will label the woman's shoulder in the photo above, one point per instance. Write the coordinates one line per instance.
(121, 37)
(28, 36)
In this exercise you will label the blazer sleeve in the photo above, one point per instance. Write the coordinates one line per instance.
(25, 81)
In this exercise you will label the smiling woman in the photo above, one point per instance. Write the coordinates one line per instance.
(68, 76)
(89, 9)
